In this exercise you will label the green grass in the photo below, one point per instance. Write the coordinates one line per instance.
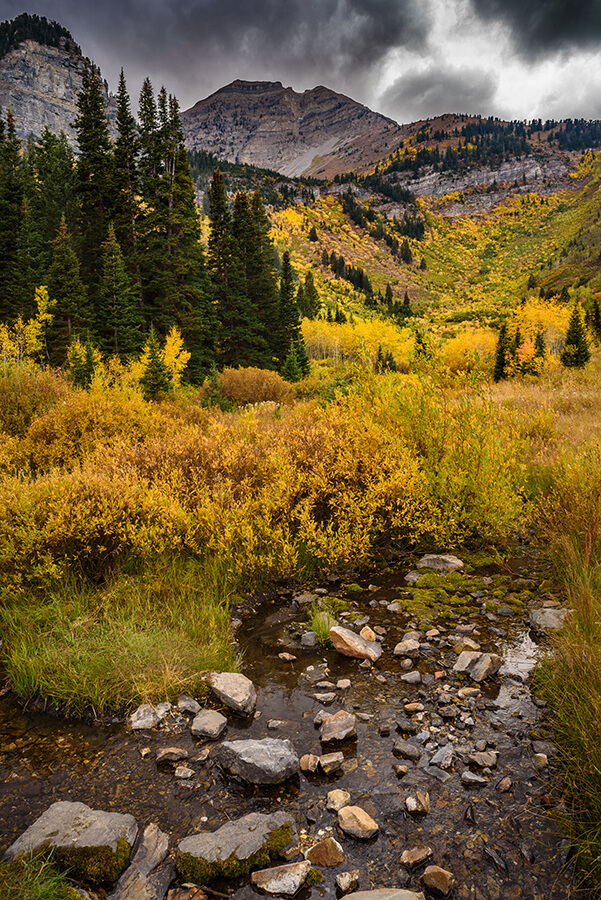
(34, 878)
(146, 637)
(570, 679)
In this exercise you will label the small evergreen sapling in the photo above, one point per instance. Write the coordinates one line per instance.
(155, 377)
(576, 351)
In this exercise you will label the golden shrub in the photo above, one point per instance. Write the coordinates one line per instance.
(252, 385)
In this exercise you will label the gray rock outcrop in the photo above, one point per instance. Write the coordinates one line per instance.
(94, 845)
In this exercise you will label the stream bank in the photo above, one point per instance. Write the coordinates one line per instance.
(491, 830)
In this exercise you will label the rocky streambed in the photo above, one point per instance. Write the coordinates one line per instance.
(412, 757)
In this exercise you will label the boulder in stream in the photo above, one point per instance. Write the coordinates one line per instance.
(267, 761)
(235, 848)
(235, 690)
(547, 619)
(94, 845)
(350, 644)
(441, 563)
(479, 666)
(208, 723)
(339, 727)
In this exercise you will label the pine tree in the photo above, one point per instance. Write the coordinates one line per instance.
(54, 196)
(311, 296)
(291, 370)
(95, 168)
(423, 264)
(11, 201)
(500, 370)
(118, 323)
(405, 252)
(155, 377)
(289, 320)
(241, 341)
(126, 184)
(540, 347)
(68, 294)
(388, 295)
(313, 234)
(576, 351)
(82, 362)
(302, 357)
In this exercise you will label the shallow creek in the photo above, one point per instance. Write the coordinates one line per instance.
(499, 845)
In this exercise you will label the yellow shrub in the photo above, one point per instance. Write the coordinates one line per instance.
(251, 385)
(469, 349)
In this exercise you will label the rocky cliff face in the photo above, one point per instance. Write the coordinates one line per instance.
(40, 84)
(318, 132)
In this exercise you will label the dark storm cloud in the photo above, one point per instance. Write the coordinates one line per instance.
(439, 90)
(543, 27)
(196, 46)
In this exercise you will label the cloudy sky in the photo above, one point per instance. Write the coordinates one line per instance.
(406, 58)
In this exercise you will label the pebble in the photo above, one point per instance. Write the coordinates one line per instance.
(343, 684)
(171, 754)
(188, 705)
(331, 762)
(347, 881)
(337, 800)
(470, 779)
(438, 880)
(184, 772)
(287, 657)
(415, 857)
(309, 763)
(418, 804)
(406, 750)
(326, 853)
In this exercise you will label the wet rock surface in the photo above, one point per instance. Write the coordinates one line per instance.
(487, 825)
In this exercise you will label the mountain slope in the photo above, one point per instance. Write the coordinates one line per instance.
(319, 132)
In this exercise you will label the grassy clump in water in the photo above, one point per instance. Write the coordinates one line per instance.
(143, 637)
(323, 615)
(34, 878)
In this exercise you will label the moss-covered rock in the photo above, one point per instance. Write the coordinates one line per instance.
(94, 845)
(235, 848)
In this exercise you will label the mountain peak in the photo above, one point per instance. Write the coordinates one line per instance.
(317, 132)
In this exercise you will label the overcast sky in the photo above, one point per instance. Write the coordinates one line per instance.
(409, 59)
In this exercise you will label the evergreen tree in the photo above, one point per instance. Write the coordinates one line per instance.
(500, 370)
(406, 310)
(564, 296)
(289, 319)
(68, 294)
(576, 351)
(405, 252)
(118, 321)
(95, 166)
(388, 295)
(241, 341)
(311, 296)
(423, 264)
(82, 363)
(540, 347)
(126, 183)
(302, 357)
(300, 300)
(313, 234)
(291, 369)
(325, 259)
(54, 194)
(155, 378)
(531, 283)
(11, 201)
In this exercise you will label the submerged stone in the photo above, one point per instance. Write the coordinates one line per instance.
(281, 881)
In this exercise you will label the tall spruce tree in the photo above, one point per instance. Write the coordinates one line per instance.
(500, 370)
(71, 314)
(241, 341)
(155, 377)
(126, 184)
(289, 332)
(576, 350)
(118, 322)
(11, 201)
(95, 170)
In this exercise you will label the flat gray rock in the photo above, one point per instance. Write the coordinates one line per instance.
(443, 757)
(236, 691)
(144, 717)
(282, 881)
(406, 750)
(187, 704)
(267, 761)
(350, 644)
(239, 845)
(72, 830)
(144, 880)
(547, 619)
(479, 666)
(208, 724)
(440, 562)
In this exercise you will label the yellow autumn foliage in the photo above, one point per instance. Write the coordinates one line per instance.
(356, 342)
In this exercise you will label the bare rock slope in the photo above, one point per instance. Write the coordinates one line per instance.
(318, 132)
